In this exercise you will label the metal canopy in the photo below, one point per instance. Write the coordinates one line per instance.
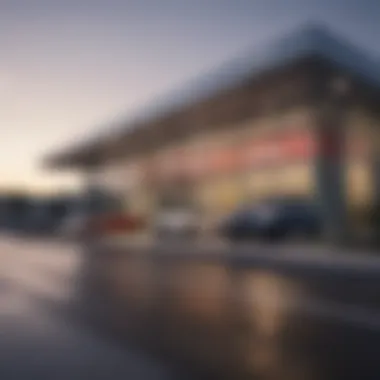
(303, 42)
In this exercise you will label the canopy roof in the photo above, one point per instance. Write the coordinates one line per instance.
(303, 42)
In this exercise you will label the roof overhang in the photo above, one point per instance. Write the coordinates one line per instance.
(179, 114)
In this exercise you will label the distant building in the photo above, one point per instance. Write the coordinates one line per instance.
(23, 211)
(300, 116)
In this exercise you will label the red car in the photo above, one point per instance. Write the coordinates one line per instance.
(115, 224)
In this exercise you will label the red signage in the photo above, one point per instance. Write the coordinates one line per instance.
(199, 162)
(299, 146)
(223, 159)
(280, 149)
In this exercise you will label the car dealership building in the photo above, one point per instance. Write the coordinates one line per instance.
(298, 117)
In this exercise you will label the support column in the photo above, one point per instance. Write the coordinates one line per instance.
(375, 157)
(330, 166)
(375, 173)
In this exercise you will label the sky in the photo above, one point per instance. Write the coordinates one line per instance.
(68, 68)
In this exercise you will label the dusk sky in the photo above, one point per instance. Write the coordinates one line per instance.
(68, 67)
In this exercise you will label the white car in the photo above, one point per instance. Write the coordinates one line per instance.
(176, 223)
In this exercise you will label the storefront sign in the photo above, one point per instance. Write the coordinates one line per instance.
(197, 163)
(278, 149)
(300, 145)
(223, 159)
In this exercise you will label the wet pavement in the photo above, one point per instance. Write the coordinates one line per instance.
(39, 335)
(272, 313)
(305, 314)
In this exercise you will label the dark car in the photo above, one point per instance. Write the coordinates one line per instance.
(273, 219)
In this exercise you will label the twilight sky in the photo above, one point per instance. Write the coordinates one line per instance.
(68, 67)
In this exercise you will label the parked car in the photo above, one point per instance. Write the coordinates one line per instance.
(106, 224)
(116, 223)
(75, 225)
(273, 219)
(176, 222)
(40, 219)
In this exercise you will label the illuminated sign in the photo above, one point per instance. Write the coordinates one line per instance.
(197, 162)
(278, 149)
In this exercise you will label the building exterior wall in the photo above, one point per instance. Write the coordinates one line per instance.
(268, 156)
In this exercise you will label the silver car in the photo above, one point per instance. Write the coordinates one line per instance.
(176, 223)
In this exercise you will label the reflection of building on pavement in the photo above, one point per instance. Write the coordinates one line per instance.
(269, 124)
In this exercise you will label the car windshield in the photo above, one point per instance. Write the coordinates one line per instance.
(286, 202)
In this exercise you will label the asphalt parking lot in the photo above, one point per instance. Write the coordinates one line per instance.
(38, 338)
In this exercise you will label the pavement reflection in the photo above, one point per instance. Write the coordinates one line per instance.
(43, 332)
